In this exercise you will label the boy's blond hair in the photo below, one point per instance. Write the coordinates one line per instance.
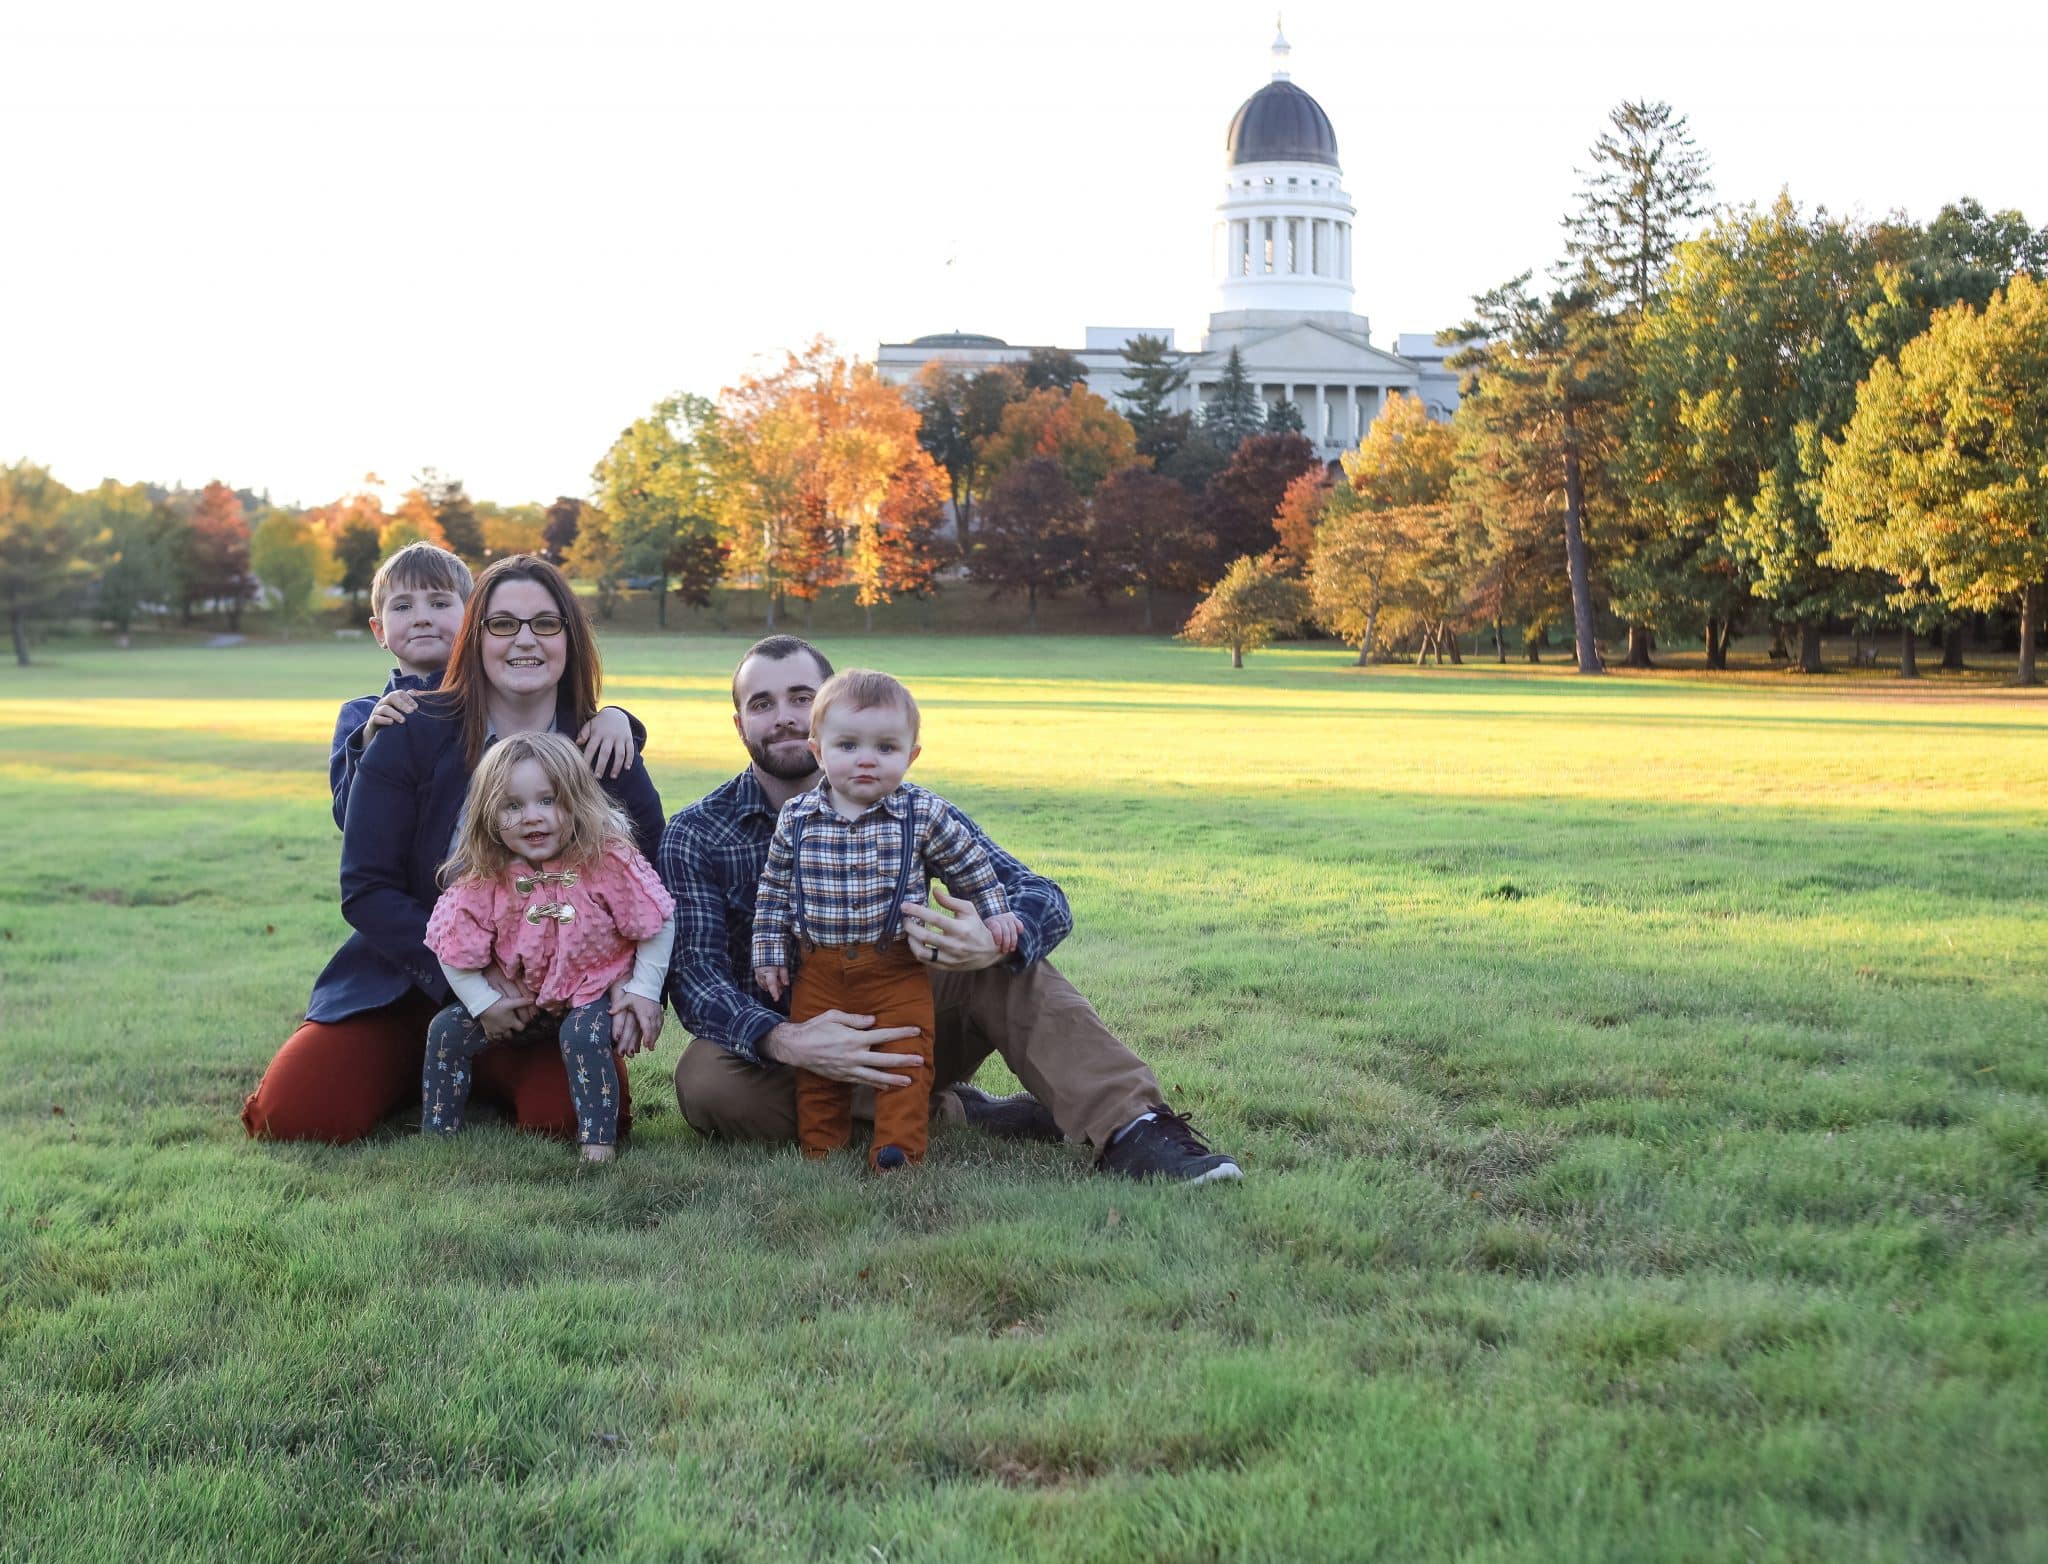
(424, 567)
(591, 822)
(862, 689)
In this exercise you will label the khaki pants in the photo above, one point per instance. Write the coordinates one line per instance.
(1034, 1020)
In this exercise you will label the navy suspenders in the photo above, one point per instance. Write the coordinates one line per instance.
(894, 917)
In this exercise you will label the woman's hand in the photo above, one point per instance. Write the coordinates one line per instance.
(505, 1020)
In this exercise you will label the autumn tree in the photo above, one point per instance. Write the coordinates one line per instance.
(1242, 502)
(413, 522)
(655, 484)
(139, 535)
(1251, 606)
(354, 527)
(911, 537)
(596, 557)
(1087, 437)
(454, 513)
(1936, 480)
(1543, 386)
(511, 529)
(958, 415)
(1300, 513)
(1646, 189)
(1381, 531)
(1234, 413)
(1053, 369)
(1034, 528)
(292, 557)
(558, 530)
(212, 559)
(1143, 538)
(1754, 350)
(46, 550)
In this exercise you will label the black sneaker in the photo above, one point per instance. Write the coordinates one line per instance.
(1020, 1116)
(1166, 1146)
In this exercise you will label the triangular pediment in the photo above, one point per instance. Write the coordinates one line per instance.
(1308, 348)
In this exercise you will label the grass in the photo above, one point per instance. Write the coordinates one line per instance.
(1641, 1084)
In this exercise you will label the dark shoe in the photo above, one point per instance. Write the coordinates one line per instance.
(1166, 1146)
(889, 1159)
(1018, 1117)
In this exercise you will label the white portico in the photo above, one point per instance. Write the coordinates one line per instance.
(1284, 245)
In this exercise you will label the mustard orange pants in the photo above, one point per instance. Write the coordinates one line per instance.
(890, 985)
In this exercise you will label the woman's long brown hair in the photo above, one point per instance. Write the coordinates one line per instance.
(465, 687)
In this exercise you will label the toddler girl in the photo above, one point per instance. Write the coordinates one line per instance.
(545, 883)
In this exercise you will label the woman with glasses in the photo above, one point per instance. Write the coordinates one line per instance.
(524, 662)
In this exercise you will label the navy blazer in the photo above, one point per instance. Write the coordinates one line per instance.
(402, 810)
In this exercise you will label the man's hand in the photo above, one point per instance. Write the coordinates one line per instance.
(607, 740)
(842, 1047)
(391, 709)
(772, 980)
(636, 1022)
(505, 1020)
(959, 943)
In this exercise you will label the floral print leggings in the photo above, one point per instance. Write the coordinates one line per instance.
(584, 1036)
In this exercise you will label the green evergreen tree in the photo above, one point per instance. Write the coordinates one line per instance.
(1234, 413)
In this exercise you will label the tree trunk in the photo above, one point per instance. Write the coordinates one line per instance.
(1372, 616)
(1237, 654)
(2030, 618)
(661, 605)
(867, 617)
(1809, 649)
(1578, 560)
(1457, 658)
(1719, 633)
(1952, 646)
(1500, 647)
(234, 616)
(1779, 653)
(809, 604)
(962, 510)
(1422, 651)
(20, 638)
(1639, 647)
(1031, 617)
(773, 598)
(1909, 654)
(1532, 645)
(1364, 648)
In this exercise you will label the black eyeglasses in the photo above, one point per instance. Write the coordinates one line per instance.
(510, 624)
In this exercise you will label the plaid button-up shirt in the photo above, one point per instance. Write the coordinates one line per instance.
(833, 881)
(711, 859)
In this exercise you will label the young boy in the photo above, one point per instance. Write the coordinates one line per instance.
(417, 598)
(844, 857)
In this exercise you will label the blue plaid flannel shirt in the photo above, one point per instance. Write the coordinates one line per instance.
(711, 859)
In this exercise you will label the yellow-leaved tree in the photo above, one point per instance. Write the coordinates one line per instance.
(1940, 479)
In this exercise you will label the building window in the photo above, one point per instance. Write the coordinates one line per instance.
(1318, 241)
(1268, 226)
(1294, 244)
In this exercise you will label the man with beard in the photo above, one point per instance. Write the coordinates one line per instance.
(735, 1079)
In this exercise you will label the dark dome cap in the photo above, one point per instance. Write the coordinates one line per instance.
(1281, 124)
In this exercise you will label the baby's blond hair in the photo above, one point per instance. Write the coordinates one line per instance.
(591, 821)
(862, 689)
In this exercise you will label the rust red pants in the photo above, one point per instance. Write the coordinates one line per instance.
(891, 986)
(334, 1080)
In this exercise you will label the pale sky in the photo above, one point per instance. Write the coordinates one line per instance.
(285, 244)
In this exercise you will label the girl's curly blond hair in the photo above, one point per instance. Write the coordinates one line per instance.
(591, 822)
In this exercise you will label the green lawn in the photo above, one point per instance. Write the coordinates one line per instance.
(1642, 1086)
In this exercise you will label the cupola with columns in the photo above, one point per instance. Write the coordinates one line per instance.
(1284, 225)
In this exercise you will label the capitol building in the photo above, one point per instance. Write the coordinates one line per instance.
(1284, 236)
